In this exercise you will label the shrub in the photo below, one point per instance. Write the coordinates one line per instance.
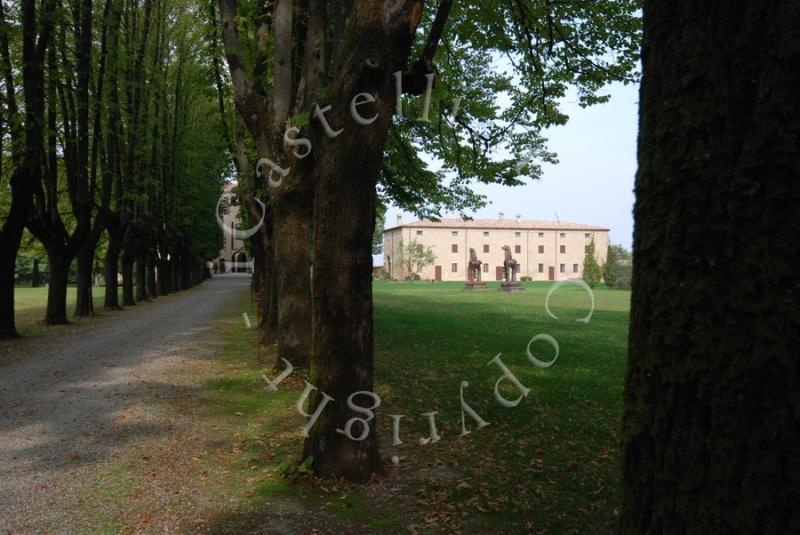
(592, 272)
(617, 272)
(622, 277)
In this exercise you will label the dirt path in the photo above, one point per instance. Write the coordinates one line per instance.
(70, 403)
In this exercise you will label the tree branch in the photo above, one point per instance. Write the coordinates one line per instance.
(282, 67)
(242, 87)
(414, 82)
(314, 62)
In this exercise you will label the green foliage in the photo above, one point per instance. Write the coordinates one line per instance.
(592, 271)
(511, 64)
(618, 269)
(380, 222)
(414, 257)
(301, 119)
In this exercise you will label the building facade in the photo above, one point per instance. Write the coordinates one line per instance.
(545, 250)
(233, 256)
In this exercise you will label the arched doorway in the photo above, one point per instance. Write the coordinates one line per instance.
(239, 262)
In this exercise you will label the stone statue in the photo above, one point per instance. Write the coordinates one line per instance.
(509, 265)
(474, 267)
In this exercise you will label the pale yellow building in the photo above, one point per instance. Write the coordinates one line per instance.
(545, 250)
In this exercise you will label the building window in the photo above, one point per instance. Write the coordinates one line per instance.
(419, 248)
(485, 233)
(541, 268)
(563, 235)
(454, 267)
(563, 249)
(419, 233)
(574, 268)
(486, 268)
(541, 234)
(541, 249)
(454, 248)
(585, 248)
(485, 247)
(518, 234)
(517, 248)
(455, 233)
(561, 268)
(587, 235)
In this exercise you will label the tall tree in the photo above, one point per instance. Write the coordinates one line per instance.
(84, 303)
(26, 140)
(712, 425)
(265, 118)
(67, 100)
(414, 257)
(592, 271)
(253, 194)
(113, 193)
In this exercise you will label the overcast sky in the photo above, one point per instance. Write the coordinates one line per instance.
(593, 181)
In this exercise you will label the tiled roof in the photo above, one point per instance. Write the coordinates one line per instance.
(504, 224)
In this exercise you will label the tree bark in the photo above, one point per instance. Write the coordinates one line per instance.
(56, 313)
(265, 287)
(164, 287)
(127, 279)
(152, 287)
(711, 425)
(293, 271)
(141, 276)
(84, 304)
(110, 272)
(174, 272)
(8, 328)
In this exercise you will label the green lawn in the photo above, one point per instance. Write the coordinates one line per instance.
(549, 465)
(30, 304)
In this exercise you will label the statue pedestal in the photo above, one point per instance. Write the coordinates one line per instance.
(511, 287)
(474, 286)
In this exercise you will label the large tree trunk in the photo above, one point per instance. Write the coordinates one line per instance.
(10, 239)
(264, 282)
(152, 287)
(164, 286)
(293, 270)
(268, 305)
(344, 210)
(28, 160)
(141, 276)
(56, 313)
(127, 279)
(110, 272)
(84, 304)
(269, 309)
(712, 394)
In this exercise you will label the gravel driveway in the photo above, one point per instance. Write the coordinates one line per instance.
(70, 402)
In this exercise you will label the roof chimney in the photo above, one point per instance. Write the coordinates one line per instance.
(519, 218)
(399, 219)
(501, 216)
